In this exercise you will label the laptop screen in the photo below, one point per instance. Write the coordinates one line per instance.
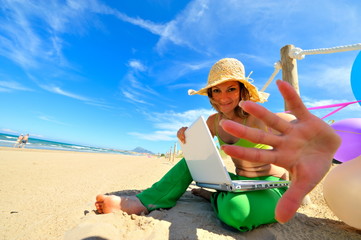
(202, 156)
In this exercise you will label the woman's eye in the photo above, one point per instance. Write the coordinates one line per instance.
(215, 90)
(232, 89)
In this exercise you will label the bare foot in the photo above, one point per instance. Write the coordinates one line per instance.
(109, 204)
(202, 193)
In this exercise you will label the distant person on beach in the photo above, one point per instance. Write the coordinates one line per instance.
(263, 146)
(18, 141)
(25, 140)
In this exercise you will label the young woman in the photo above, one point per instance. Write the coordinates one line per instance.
(295, 145)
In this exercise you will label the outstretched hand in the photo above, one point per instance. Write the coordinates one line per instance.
(305, 147)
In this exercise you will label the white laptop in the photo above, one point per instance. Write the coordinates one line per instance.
(207, 167)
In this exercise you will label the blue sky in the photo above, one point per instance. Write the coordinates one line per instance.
(116, 73)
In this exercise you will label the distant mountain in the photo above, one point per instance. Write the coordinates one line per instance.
(141, 150)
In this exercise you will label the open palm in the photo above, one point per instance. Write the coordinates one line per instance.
(305, 147)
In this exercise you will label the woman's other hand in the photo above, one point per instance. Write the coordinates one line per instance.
(180, 134)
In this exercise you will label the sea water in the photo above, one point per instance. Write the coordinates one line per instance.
(8, 140)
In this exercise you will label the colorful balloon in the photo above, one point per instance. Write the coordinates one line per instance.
(356, 78)
(350, 132)
(341, 190)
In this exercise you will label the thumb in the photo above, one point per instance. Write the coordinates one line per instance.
(290, 202)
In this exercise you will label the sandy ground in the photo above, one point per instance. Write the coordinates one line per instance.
(50, 195)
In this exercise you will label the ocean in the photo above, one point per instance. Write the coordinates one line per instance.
(8, 140)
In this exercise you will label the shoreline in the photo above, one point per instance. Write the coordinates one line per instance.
(50, 194)
(3, 148)
(116, 152)
(8, 140)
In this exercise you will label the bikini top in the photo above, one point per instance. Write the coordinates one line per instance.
(241, 142)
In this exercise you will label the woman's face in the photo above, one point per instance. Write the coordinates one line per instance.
(226, 96)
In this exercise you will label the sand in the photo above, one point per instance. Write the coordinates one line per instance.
(50, 195)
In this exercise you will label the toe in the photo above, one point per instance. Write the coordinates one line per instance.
(99, 203)
(99, 207)
(100, 198)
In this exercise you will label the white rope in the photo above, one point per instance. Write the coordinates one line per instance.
(278, 67)
(299, 54)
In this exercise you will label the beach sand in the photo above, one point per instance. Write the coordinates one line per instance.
(50, 195)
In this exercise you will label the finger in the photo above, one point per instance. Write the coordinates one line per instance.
(181, 134)
(251, 154)
(270, 119)
(182, 139)
(249, 133)
(291, 201)
(292, 100)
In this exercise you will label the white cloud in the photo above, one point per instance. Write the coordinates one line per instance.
(60, 91)
(7, 130)
(20, 41)
(132, 97)
(4, 89)
(51, 119)
(156, 136)
(202, 25)
(8, 86)
(264, 28)
(90, 101)
(324, 79)
(32, 32)
(154, 28)
(317, 103)
(133, 86)
(168, 123)
(137, 65)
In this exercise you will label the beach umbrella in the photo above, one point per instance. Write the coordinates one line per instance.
(350, 132)
(341, 190)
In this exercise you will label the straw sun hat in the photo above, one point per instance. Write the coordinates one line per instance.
(230, 69)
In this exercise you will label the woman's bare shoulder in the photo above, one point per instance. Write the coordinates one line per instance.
(211, 123)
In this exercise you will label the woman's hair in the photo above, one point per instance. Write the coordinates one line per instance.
(244, 95)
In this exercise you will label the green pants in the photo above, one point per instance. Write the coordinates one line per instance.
(243, 211)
